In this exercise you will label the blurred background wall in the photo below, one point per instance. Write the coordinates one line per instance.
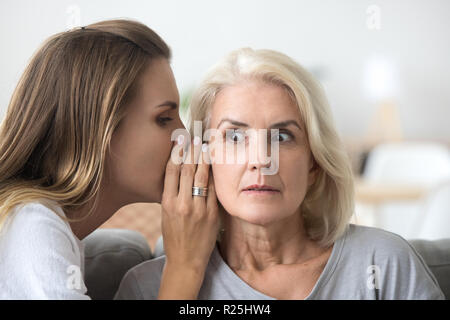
(342, 41)
(384, 64)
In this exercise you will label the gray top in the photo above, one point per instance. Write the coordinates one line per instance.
(365, 263)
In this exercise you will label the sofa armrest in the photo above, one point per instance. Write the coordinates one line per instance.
(159, 248)
(436, 254)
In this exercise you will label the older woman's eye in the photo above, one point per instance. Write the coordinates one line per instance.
(282, 137)
(235, 136)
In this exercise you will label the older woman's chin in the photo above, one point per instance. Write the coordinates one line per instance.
(259, 217)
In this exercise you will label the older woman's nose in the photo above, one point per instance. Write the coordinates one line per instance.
(258, 151)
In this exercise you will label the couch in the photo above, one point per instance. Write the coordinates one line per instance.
(109, 253)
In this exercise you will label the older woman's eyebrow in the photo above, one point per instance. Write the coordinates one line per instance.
(233, 122)
(284, 124)
(277, 125)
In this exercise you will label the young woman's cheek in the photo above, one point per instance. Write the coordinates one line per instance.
(158, 154)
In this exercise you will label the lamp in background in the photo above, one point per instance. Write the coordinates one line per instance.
(380, 86)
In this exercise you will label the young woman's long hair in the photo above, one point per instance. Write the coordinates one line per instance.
(72, 95)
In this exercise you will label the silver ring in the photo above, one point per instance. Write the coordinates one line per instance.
(199, 191)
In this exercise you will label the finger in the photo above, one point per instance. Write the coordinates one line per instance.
(201, 178)
(202, 172)
(187, 175)
(172, 173)
(197, 149)
(211, 200)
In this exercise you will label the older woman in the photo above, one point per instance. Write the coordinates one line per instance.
(285, 232)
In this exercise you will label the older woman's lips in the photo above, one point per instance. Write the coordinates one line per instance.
(260, 190)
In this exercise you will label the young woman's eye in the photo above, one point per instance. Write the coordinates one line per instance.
(164, 120)
(282, 137)
(235, 136)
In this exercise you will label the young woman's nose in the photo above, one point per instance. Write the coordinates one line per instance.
(179, 124)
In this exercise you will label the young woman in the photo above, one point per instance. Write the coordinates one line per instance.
(88, 130)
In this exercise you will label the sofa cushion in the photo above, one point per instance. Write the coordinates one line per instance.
(109, 254)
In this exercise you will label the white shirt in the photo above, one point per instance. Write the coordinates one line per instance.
(40, 257)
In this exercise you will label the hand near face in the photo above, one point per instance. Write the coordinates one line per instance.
(189, 226)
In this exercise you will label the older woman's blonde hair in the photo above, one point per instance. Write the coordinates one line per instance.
(329, 202)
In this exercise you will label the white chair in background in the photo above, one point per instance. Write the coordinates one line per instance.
(406, 164)
(424, 164)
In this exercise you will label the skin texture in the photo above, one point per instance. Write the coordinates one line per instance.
(265, 241)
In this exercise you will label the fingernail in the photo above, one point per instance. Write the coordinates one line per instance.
(180, 139)
(197, 140)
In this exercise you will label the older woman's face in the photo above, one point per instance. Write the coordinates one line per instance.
(259, 105)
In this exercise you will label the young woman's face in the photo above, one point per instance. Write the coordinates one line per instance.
(258, 105)
(141, 145)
